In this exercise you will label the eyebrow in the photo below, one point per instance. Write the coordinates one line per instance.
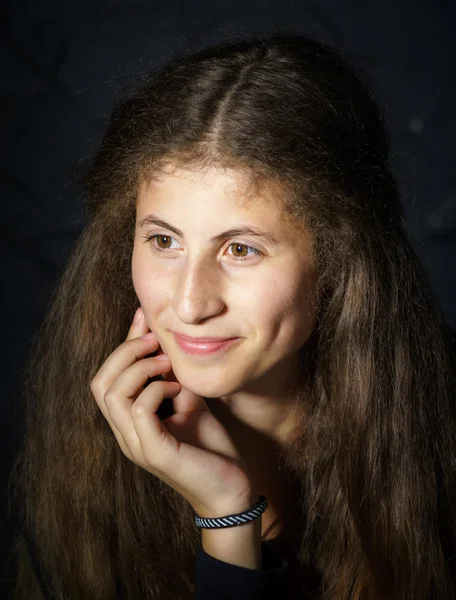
(240, 230)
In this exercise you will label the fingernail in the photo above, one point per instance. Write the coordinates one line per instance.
(138, 315)
(162, 357)
(148, 336)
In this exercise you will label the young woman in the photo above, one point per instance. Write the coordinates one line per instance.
(241, 194)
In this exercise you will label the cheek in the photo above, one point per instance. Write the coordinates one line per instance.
(148, 283)
(289, 314)
(272, 311)
(149, 293)
(303, 314)
(139, 278)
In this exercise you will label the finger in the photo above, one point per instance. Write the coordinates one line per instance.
(122, 357)
(151, 444)
(115, 363)
(128, 353)
(187, 401)
(202, 431)
(156, 444)
(129, 443)
(139, 326)
(121, 395)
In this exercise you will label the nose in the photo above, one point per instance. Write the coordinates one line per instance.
(198, 292)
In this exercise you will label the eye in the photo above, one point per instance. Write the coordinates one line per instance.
(156, 236)
(238, 245)
(157, 246)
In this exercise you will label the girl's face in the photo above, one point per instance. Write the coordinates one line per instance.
(194, 280)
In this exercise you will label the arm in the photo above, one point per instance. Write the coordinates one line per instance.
(233, 564)
(239, 545)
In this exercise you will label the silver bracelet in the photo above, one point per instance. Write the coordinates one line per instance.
(233, 520)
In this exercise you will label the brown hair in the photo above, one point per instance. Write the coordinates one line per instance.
(376, 445)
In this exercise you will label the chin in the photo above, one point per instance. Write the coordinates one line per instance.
(207, 389)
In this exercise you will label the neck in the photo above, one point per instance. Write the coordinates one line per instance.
(263, 454)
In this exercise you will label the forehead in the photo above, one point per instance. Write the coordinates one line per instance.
(226, 188)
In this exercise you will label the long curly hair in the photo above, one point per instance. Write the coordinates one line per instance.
(375, 449)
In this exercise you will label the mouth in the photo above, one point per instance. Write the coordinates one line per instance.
(202, 340)
(198, 347)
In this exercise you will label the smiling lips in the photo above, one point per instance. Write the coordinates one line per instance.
(201, 340)
(203, 345)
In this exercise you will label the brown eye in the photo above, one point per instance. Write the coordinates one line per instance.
(167, 238)
(153, 241)
(243, 247)
(241, 250)
(244, 257)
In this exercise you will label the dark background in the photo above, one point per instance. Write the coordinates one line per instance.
(63, 64)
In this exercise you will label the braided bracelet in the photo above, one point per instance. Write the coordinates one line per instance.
(233, 520)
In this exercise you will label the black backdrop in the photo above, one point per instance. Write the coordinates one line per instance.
(63, 65)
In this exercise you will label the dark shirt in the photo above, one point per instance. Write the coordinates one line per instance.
(224, 581)
(214, 579)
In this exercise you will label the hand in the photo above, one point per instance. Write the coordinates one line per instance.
(191, 451)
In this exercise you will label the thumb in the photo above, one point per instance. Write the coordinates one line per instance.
(186, 400)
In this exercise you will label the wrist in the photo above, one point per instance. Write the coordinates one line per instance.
(239, 546)
(230, 506)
